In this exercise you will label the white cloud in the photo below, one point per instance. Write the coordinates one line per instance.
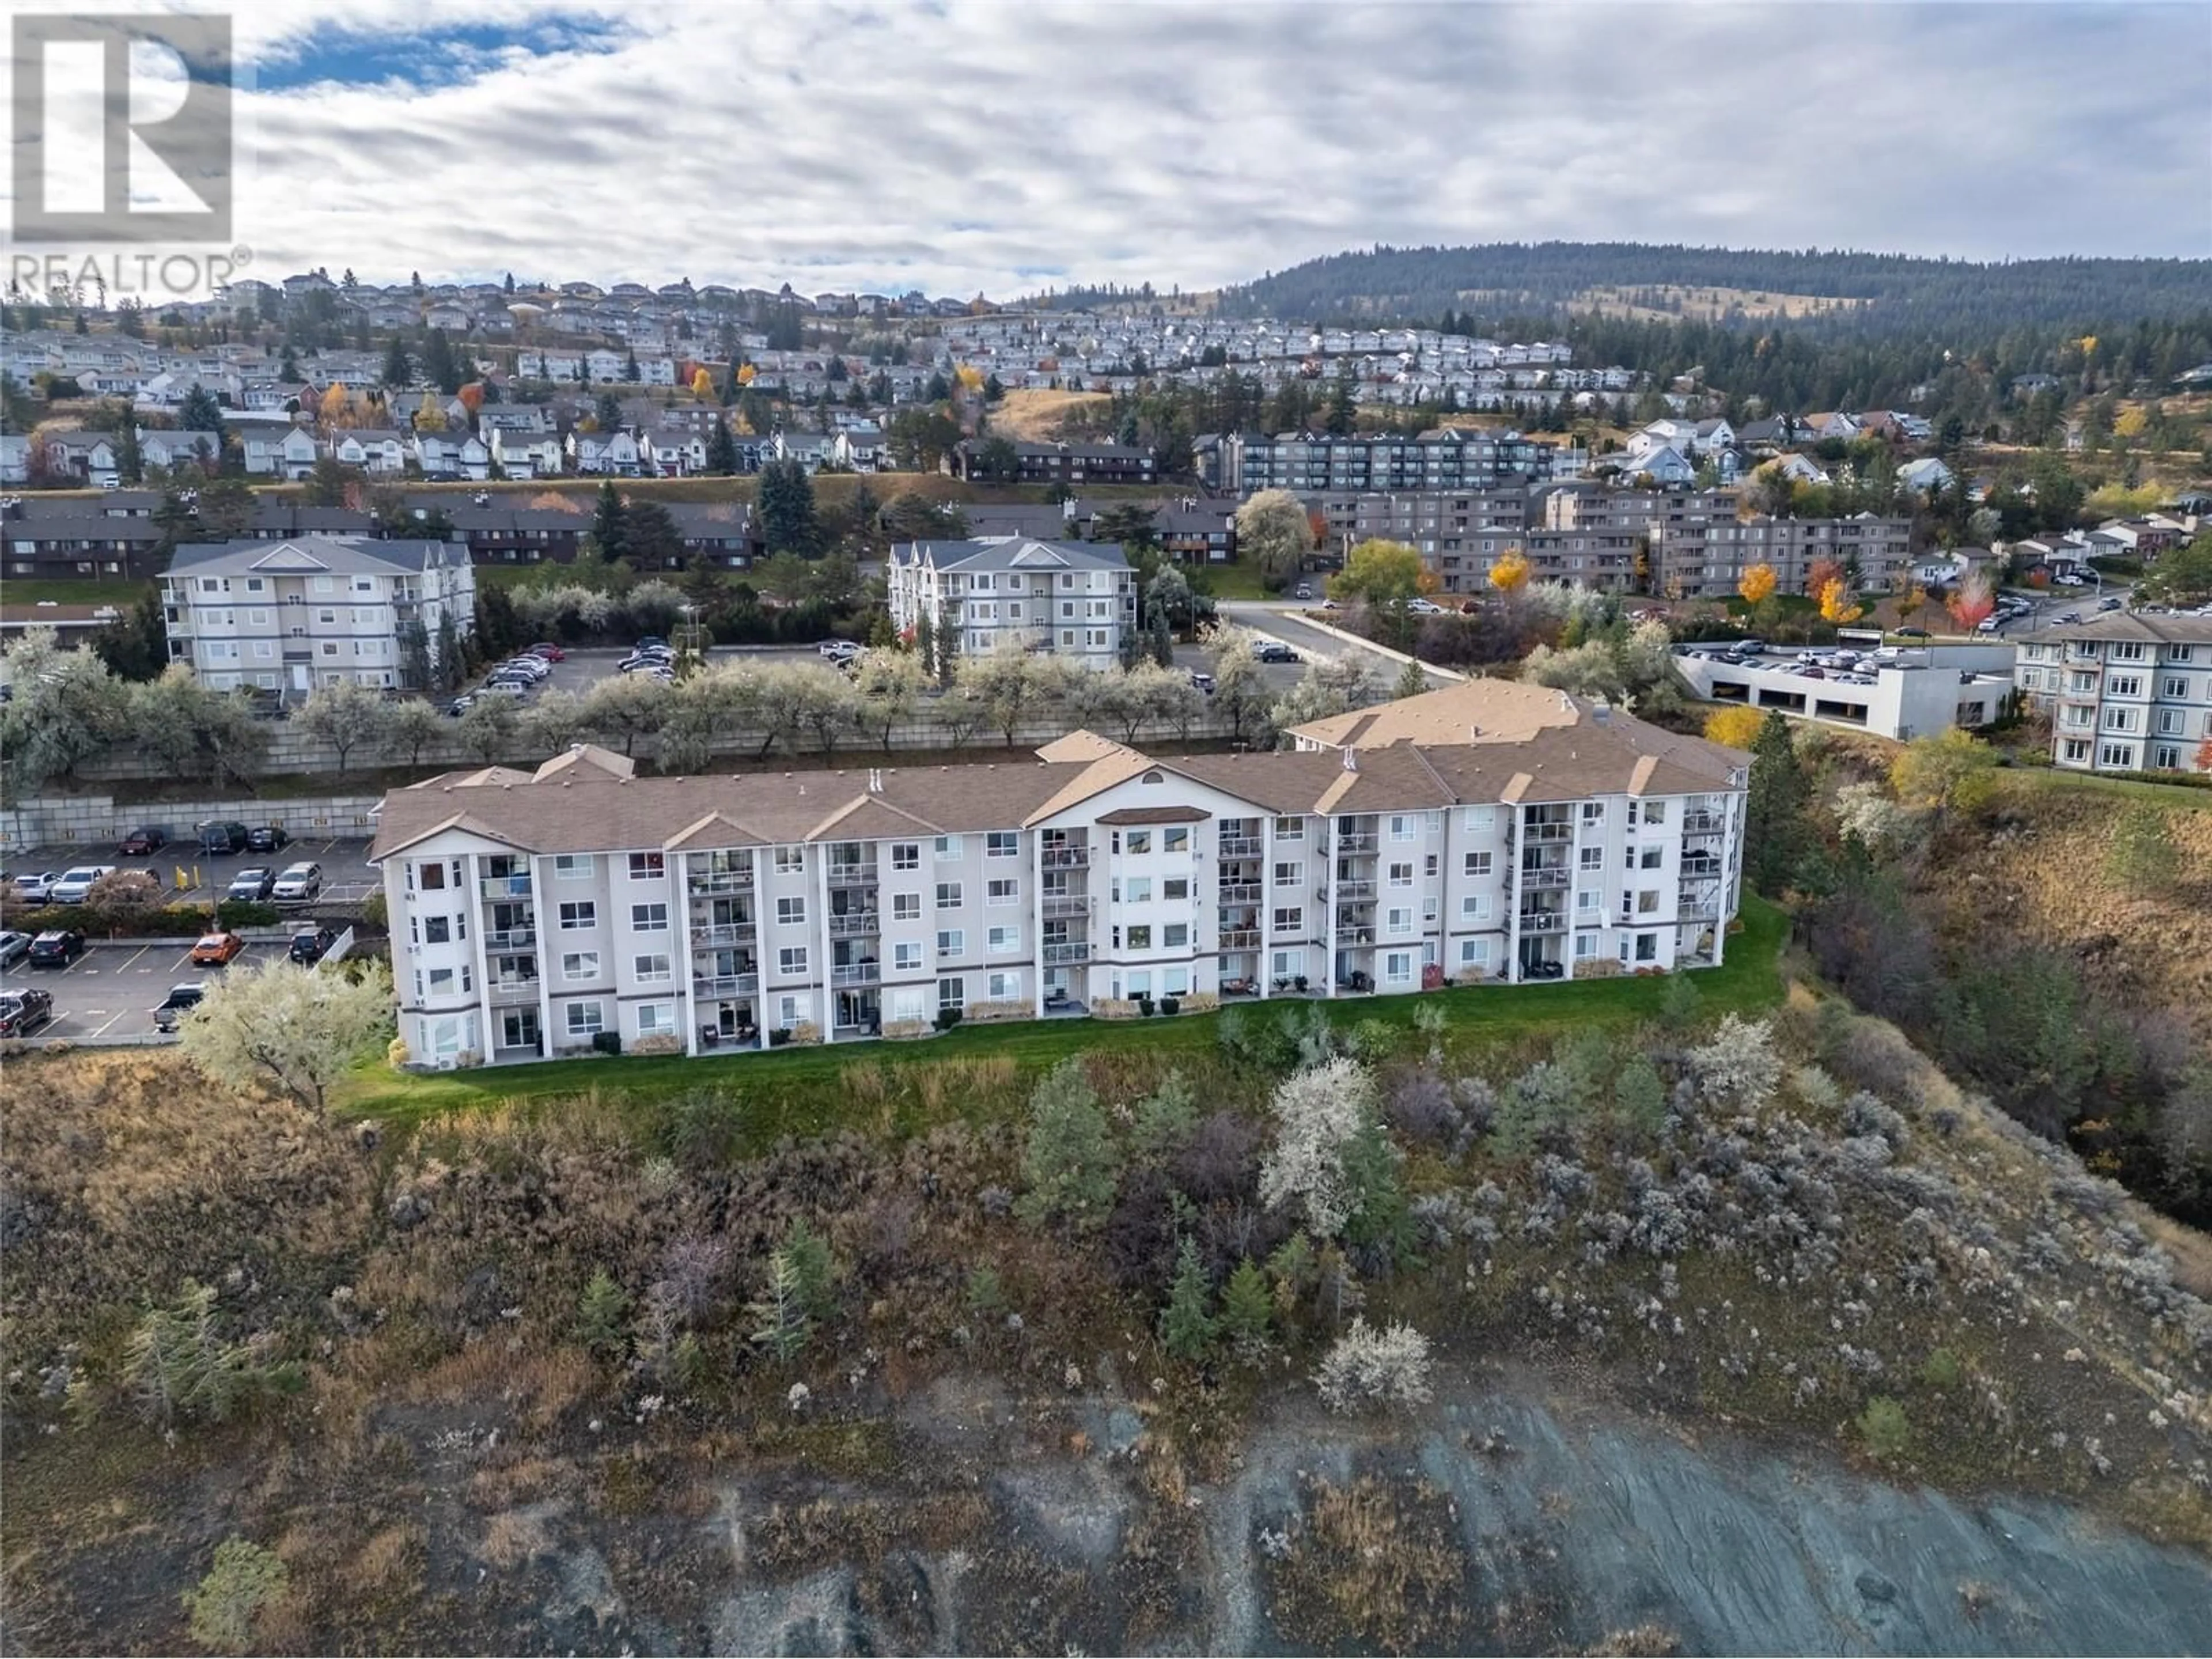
(997, 147)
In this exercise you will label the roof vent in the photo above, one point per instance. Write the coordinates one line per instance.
(1350, 758)
(875, 781)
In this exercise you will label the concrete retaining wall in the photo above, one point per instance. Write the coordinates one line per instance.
(66, 820)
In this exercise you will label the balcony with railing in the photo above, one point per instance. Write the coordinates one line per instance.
(845, 975)
(1064, 857)
(1239, 892)
(1357, 842)
(515, 990)
(510, 939)
(1545, 877)
(1242, 846)
(721, 881)
(1355, 934)
(712, 933)
(1543, 921)
(1240, 939)
(853, 875)
(509, 886)
(1066, 950)
(1704, 824)
(1549, 832)
(855, 924)
(1700, 869)
(1060, 907)
(725, 985)
(1359, 891)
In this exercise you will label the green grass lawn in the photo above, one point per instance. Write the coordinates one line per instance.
(26, 591)
(2182, 795)
(1239, 581)
(805, 1091)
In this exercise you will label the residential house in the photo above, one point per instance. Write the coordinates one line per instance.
(672, 451)
(171, 450)
(1558, 841)
(289, 454)
(453, 453)
(86, 458)
(15, 458)
(519, 454)
(380, 452)
(2127, 692)
(1928, 476)
(861, 449)
(312, 611)
(613, 454)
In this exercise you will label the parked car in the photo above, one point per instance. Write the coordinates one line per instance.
(1304, 591)
(22, 1012)
(14, 947)
(2108, 604)
(180, 1001)
(1201, 682)
(515, 688)
(459, 706)
(1989, 624)
(216, 949)
(146, 838)
(2070, 617)
(548, 651)
(75, 884)
(647, 642)
(833, 650)
(253, 885)
(311, 944)
(56, 947)
(299, 884)
(268, 838)
(1424, 608)
(35, 885)
(1274, 651)
(220, 837)
(533, 668)
(1910, 633)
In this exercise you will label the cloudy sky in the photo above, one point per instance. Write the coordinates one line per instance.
(1004, 147)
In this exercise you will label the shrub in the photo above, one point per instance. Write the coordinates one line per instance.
(1247, 1305)
(986, 1297)
(1069, 1162)
(1678, 1002)
(1738, 1066)
(1318, 1111)
(606, 1043)
(601, 1312)
(946, 1019)
(222, 1608)
(1942, 1370)
(246, 913)
(1884, 1428)
(1367, 1367)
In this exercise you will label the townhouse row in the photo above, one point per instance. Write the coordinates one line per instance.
(1489, 833)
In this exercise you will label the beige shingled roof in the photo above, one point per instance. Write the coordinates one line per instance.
(1475, 711)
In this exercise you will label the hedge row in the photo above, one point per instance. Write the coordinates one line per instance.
(169, 921)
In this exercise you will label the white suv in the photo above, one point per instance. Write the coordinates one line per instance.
(299, 884)
(76, 884)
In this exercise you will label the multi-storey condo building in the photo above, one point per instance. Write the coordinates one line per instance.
(1074, 599)
(1449, 459)
(1489, 832)
(2126, 692)
(1062, 464)
(288, 616)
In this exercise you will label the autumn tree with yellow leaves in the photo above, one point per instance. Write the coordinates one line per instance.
(1508, 574)
(1733, 728)
(1835, 602)
(1757, 585)
(703, 383)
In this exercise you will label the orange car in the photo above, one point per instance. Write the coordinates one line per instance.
(215, 950)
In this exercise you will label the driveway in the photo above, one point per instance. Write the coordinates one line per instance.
(346, 875)
(111, 990)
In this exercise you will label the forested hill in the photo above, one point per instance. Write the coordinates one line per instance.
(1888, 292)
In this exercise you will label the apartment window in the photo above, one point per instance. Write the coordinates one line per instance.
(952, 941)
(572, 866)
(1290, 919)
(1593, 811)
(655, 1019)
(1002, 988)
(580, 964)
(577, 916)
(1475, 907)
(2119, 720)
(1591, 858)
(907, 957)
(1288, 964)
(1176, 935)
(1289, 872)
(1141, 937)
(1474, 953)
(1481, 819)
(1402, 826)
(906, 906)
(2075, 749)
(586, 1019)
(791, 959)
(2180, 653)
(2175, 686)
(1655, 811)
(1647, 947)
(948, 896)
(2128, 651)
(2168, 722)
(441, 981)
(791, 912)
(648, 918)
(1290, 829)
(1398, 967)
(2119, 757)
(1138, 889)
(790, 860)
(1138, 842)
(1401, 919)
(1175, 839)
(1585, 947)
(1006, 890)
(948, 849)
(1652, 858)
(1647, 903)
(1174, 982)
(1002, 940)
(2124, 685)
(906, 856)
(437, 930)
(952, 992)
(1401, 874)
(647, 867)
(2164, 758)
(1002, 844)
(651, 968)
(1476, 864)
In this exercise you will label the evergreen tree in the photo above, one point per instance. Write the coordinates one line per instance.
(1775, 835)
(201, 412)
(1186, 1323)
(1247, 1305)
(1069, 1162)
(609, 525)
(721, 449)
(607, 411)
(397, 370)
(1412, 680)
(786, 508)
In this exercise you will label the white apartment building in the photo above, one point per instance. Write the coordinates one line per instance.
(2126, 692)
(1074, 599)
(1487, 833)
(293, 614)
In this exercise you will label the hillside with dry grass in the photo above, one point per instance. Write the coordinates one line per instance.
(1714, 1313)
(1045, 416)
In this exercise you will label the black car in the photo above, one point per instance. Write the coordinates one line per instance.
(57, 948)
(311, 945)
(269, 838)
(1274, 651)
(23, 1012)
(219, 837)
(254, 886)
(147, 838)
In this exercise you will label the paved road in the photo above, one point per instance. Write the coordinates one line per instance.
(346, 874)
(1284, 620)
(111, 990)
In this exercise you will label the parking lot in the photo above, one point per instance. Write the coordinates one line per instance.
(347, 877)
(111, 990)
